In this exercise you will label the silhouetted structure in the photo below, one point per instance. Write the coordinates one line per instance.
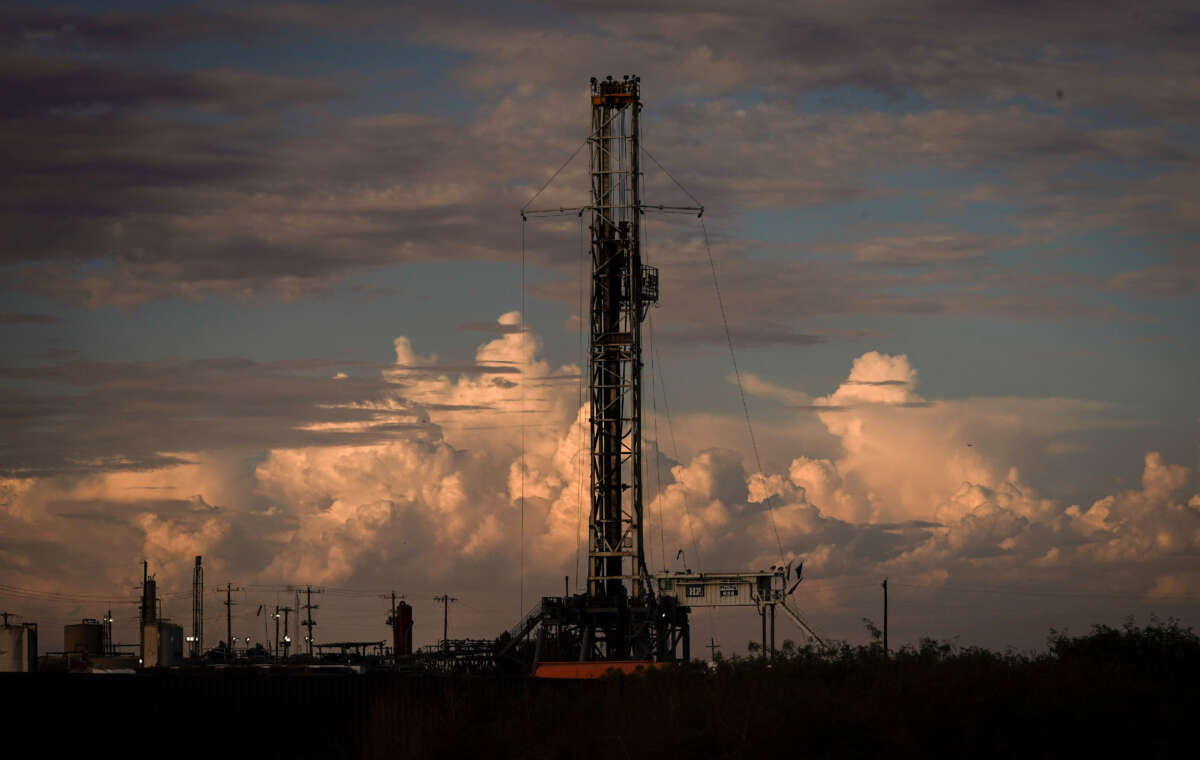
(197, 638)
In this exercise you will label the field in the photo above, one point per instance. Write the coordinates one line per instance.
(1130, 691)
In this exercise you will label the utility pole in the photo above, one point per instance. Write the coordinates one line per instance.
(772, 608)
(228, 621)
(885, 621)
(762, 612)
(142, 615)
(445, 599)
(229, 589)
(287, 640)
(391, 620)
(713, 647)
(308, 621)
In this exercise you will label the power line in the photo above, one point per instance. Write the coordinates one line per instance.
(1053, 594)
(552, 176)
(677, 184)
(741, 391)
(445, 599)
(674, 443)
(579, 455)
(55, 596)
(521, 602)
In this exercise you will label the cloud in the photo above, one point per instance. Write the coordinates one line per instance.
(897, 494)
(929, 248)
(90, 416)
(242, 184)
(757, 386)
(22, 318)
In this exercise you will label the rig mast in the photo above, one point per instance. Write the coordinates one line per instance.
(627, 618)
(622, 289)
(620, 620)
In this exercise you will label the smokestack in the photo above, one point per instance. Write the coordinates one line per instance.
(197, 610)
(151, 602)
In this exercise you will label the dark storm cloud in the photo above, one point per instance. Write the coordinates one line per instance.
(237, 183)
(23, 318)
(48, 85)
(124, 511)
(971, 49)
(32, 26)
(107, 416)
(746, 337)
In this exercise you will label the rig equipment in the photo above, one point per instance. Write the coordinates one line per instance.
(619, 622)
(627, 618)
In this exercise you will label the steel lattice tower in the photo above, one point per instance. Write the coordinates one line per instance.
(628, 618)
(621, 618)
(622, 289)
(198, 609)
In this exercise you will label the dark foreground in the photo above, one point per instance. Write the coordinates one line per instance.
(1130, 692)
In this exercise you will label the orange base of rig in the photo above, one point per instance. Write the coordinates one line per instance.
(593, 668)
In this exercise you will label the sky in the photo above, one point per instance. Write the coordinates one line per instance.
(267, 298)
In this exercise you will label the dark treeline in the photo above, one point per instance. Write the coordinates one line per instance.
(1115, 689)
(1129, 691)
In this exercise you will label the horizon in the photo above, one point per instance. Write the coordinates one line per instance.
(269, 298)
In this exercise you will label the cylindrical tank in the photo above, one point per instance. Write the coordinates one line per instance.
(406, 627)
(12, 645)
(84, 638)
(150, 601)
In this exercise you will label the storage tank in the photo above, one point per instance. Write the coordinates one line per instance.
(86, 637)
(402, 625)
(18, 648)
(164, 644)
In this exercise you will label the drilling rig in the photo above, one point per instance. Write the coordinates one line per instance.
(627, 618)
(619, 622)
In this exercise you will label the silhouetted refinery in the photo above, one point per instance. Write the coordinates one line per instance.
(1113, 690)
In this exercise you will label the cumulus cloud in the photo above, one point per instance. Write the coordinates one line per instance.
(902, 495)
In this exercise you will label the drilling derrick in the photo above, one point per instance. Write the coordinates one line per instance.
(622, 288)
(619, 621)
(197, 637)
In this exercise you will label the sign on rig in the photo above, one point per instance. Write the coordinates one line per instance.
(723, 589)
